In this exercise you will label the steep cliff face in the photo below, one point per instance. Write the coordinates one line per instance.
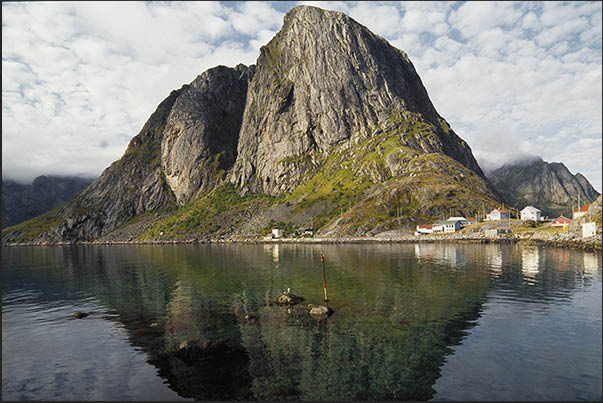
(22, 202)
(202, 131)
(324, 80)
(550, 187)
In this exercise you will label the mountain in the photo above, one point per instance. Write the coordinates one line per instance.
(22, 202)
(331, 129)
(551, 187)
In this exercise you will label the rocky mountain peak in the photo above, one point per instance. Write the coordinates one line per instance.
(325, 80)
(550, 186)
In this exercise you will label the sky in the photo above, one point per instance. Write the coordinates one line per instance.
(80, 79)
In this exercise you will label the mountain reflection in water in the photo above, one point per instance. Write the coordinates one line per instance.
(400, 310)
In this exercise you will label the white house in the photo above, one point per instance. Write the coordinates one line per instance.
(589, 229)
(424, 229)
(277, 233)
(530, 213)
(580, 211)
(496, 215)
(446, 226)
(308, 232)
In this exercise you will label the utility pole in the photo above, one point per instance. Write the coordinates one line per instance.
(324, 276)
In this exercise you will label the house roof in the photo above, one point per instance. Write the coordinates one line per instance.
(581, 209)
(562, 219)
(426, 226)
(499, 210)
(445, 222)
(457, 219)
(530, 207)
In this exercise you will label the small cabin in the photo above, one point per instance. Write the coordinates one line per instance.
(424, 229)
(580, 211)
(277, 233)
(447, 226)
(561, 221)
(530, 213)
(589, 229)
(464, 222)
(497, 215)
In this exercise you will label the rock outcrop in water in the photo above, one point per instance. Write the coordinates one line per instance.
(331, 130)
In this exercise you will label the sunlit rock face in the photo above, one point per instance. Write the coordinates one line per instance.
(200, 139)
(324, 80)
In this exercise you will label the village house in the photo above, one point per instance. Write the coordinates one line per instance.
(471, 221)
(462, 220)
(580, 211)
(446, 226)
(277, 233)
(496, 215)
(589, 229)
(424, 229)
(530, 213)
(561, 221)
(308, 232)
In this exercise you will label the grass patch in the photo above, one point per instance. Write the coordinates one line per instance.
(199, 216)
(31, 229)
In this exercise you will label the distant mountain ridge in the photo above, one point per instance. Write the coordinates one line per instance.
(549, 186)
(22, 202)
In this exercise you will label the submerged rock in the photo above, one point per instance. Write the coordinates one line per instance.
(320, 311)
(288, 299)
(80, 315)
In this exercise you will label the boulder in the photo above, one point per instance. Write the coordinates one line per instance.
(288, 299)
(320, 311)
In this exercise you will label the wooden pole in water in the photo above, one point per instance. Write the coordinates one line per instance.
(324, 276)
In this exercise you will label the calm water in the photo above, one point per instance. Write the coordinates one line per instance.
(411, 322)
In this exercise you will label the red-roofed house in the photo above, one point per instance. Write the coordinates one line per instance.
(580, 211)
(424, 229)
(561, 221)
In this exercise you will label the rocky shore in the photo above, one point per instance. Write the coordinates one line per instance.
(565, 240)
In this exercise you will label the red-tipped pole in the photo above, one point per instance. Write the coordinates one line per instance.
(324, 276)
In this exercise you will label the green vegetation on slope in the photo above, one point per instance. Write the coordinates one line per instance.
(29, 230)
(201, 216)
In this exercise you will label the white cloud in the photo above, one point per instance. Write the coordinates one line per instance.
(79, 79)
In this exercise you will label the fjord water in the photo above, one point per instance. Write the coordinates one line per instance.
(410, 322)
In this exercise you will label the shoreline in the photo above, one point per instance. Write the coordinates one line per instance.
(589, 244)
